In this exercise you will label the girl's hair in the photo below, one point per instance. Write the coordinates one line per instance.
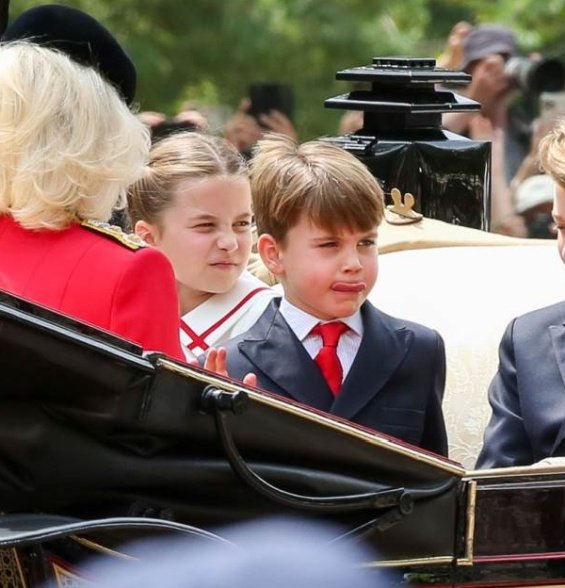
(69, 146)
(175, 159)
(552, 152)
(331, 186)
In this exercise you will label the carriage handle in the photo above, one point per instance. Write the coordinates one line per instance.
(219, 403)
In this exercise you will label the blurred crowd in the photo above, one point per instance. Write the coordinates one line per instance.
(515, 114)
(516, 110)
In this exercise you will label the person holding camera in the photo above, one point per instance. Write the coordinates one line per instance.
(486, 48)
(490, 55)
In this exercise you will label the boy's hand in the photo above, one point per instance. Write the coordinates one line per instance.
(216, 361)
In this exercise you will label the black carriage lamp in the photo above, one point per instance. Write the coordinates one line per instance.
(403, 143)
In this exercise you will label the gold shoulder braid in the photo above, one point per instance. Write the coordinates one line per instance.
(129, 240)
(401, 212)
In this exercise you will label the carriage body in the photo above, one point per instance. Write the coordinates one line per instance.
(96, 434)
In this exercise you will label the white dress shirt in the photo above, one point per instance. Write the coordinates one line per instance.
(302, 324)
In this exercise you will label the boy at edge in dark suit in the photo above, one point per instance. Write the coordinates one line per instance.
(526, 394)
(317, 210)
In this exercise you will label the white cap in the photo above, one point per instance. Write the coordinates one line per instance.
(533, 191)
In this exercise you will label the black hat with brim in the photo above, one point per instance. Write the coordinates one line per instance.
(82, 38)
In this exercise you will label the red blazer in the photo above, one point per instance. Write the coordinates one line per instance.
(89, 275)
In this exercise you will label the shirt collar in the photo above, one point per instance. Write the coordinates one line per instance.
(302, 322)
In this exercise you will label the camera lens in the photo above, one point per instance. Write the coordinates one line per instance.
(544, 75)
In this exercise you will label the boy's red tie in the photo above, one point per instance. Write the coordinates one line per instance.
(327, 359)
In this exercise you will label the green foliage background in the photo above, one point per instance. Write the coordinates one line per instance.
(211, 50)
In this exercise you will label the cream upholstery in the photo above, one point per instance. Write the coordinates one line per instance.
(429, 233)
(469, 294)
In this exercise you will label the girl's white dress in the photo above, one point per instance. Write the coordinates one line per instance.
(223, 316)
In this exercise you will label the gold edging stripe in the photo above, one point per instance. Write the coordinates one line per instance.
(423, 561)
(545, 585)
(467, 560)
(287, 407)
(100, 548)
(19, 566)
(515, 471)
(64, 577)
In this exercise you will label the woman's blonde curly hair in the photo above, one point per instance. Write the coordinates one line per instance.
(69, 146)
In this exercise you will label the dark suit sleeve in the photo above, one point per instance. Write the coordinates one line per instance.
(434, 437)
(506, 441)
(145, 305)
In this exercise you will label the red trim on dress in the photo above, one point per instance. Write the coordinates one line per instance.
(200, 340)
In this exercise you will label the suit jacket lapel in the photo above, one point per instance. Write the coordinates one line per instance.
(272, 347)
(382, 349)
(557, 333)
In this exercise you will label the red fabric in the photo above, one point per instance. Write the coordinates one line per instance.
(96, 279)
(327, 358)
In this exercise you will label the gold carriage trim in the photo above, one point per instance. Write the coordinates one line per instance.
(421, 561)
(11, 575)
(101, 548)
(451, 467)
(66, 579)
(467, 559)
(401, 211)
(129, 240)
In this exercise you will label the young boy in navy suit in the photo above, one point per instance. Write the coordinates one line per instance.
(317, 210)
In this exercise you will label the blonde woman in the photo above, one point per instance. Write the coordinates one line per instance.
(194, 204)
(69, 147)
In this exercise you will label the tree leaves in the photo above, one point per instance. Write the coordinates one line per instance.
(212, 50)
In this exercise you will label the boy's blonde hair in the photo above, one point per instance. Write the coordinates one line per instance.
(328, 184)
(69, 146)
(175, 159)
(552, 153)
